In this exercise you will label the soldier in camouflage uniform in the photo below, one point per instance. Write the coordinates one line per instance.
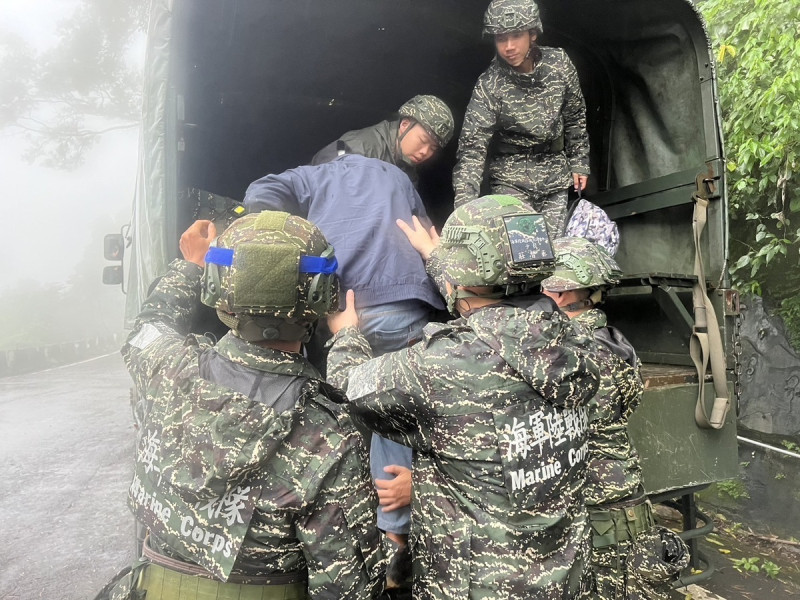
(494, 405)
(529, 100)
(251, 479)
(628, 550)
(424, 126)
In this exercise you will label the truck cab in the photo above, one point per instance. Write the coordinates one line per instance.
(236, 89)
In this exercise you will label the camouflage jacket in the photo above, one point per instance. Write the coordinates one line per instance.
(614, 472)
(523, 110)
(376, 141)
(243, 482)
(494, 405)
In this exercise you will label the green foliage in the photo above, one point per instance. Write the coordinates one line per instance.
(789, 311)
(734, 488)
(747, 565)
(770, 568)
(64, 97)
(790, 446)
(757, 45)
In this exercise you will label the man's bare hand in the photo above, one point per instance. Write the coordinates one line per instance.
(579, 181)
(394, 493)
(347, 318)
(196, 240)
(423, 240)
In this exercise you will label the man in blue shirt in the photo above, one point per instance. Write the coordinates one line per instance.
(356, 202)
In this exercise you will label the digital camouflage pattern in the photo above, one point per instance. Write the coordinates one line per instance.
(614, 471)
(506, 16)
(494, 405)
(494, 240)
(628, 564)
(593, 223)
(581, 264)
(538, 123)
(433, 114)
(241, 485)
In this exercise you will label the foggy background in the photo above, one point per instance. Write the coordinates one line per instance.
(67, 67)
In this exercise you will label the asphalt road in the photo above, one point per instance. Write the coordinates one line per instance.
(66, 461)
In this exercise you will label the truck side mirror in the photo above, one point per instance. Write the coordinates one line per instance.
(113, 247)
(112, 275)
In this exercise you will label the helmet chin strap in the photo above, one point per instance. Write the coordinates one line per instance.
(398, 149)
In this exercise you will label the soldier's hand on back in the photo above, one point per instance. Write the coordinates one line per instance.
(196, 240)
(346, 318)
(394, 493)
(423, 240)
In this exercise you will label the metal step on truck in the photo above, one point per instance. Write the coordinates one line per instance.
(236, 89)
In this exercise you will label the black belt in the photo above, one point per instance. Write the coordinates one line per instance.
(550, 147)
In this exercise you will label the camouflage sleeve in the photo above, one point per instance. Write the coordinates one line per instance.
(162, 325)
(573, 112)
(433, 268)
(473, 144)
(348, 348)
(339, 534)
(386, 394)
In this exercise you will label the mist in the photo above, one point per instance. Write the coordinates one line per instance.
(51, 250)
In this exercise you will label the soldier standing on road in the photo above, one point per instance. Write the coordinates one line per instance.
(530, 101)
(250, 478)
(424, 126)
(628, 550)
(494, 405)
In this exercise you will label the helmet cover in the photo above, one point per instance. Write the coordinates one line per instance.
(433, 114)
(507, 16)
(581, 264)
(495, 240)
(272, 264)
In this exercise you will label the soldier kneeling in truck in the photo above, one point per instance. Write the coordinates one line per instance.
(424, 126)
(631, 557)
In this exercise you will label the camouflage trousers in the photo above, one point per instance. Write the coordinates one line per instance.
(553, 207)
(540, 180)
(636, 569)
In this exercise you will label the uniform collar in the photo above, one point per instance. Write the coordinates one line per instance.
(594, 318)
(265, 359)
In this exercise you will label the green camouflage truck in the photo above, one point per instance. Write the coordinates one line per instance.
(236, 89)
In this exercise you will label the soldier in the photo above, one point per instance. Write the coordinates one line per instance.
(250, 478)
(530, 100)
(355, 201)
(494, 405)
(628, 549)
(425, 126)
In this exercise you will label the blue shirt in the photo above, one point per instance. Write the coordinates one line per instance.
(355, 201)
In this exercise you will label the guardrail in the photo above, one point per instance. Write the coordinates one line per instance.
(26, 360)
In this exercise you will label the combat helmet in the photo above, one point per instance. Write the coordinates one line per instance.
(433, 114)
(507, 16)
(495, 241)
(581, 264)
(270, 276)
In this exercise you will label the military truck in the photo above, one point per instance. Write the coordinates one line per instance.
(236, 89)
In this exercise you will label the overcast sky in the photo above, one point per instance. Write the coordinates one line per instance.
(48, 214)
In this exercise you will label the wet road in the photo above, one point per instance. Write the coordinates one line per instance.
(66, 448)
